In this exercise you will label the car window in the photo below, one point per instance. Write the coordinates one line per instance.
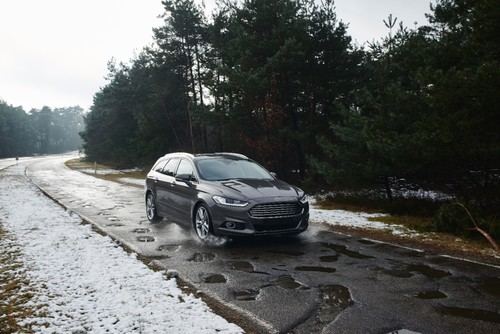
(185, 168)
(159, 165)
(171, 166)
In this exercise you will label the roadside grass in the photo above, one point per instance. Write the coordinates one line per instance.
(416, 214)
(419, 224)
(103, 171)
(15, 291)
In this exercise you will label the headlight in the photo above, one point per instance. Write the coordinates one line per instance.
(304, 199)
(229, 201)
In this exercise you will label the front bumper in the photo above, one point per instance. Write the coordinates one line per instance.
(238, 222)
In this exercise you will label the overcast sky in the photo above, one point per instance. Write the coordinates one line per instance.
(54, 52)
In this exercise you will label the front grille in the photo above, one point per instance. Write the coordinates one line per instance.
(277, 224)
(275, 210)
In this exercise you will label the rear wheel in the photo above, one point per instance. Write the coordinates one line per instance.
(151, 212)
(202, 223)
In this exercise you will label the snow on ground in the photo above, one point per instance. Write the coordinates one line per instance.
(107, 171)
(131, 180)
(84, 282)
(352, 219)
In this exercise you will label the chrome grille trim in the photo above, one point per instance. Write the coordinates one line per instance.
(275, 210)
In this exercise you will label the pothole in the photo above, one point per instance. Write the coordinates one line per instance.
(145, 238)
(141, 230)
(329, 258)
(427, 271)
(242, 266)
(343, 250)
(469, 313)
(245, 267)
(246, 294)
(202, 257)
(335, 299)
(286, 282)
(168, 248)
(431, 295)
(213, 278)
(115, 225)
(316, 268)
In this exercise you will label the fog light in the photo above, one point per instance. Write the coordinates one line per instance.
(230, 225)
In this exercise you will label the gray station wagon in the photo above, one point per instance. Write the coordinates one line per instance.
(223, 194)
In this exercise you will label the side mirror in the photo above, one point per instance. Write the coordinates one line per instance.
(186, 178)
(273, 174)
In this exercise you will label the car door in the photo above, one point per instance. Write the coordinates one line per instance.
(184, 193)
(165, 182)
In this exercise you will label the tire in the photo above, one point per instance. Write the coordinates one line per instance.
(151, 212)
(202, 223)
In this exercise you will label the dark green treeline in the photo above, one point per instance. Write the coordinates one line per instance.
(39, 131)
(281, 81)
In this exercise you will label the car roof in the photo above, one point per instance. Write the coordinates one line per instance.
(205, 155)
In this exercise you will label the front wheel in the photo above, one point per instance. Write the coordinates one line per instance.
(202, 223)
(151, 212)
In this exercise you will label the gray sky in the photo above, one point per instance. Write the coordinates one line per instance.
(54, 52)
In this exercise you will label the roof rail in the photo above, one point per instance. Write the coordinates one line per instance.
(236, 155)
(180, 153)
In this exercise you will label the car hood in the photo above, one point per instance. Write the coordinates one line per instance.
(253, 189)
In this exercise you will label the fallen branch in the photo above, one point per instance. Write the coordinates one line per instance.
(477, 228)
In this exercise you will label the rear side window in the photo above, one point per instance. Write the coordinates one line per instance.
(171, 166)
(159, 165)
(185, 168)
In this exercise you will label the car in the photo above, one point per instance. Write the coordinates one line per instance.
(223, 194)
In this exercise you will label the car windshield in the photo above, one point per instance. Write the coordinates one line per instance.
(218, 169)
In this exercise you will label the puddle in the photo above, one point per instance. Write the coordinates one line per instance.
(141, 230)
(242, 266)
(290, 252)
(491, 285)
(246, 295)
(316, 268)
(431, 295)
(427, 271)
(334, 299)
(245, 266)
(288, 282)
(213, 278)
(279, 269)
(202, 257)
(475, 314)
(145, 238)
(168, 248)
(115, 225)
(329, 258)
(343, 250)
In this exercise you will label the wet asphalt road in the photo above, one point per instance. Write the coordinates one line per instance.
(319, 282)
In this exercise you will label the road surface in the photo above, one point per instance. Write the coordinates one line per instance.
(319, 282)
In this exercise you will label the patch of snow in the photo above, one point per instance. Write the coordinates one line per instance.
(406, 193)
(131, 180)
(99, 171)
(84, 282)
(352, 219)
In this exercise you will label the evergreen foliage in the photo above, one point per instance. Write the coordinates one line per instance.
(39, 131)
(281, 81)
